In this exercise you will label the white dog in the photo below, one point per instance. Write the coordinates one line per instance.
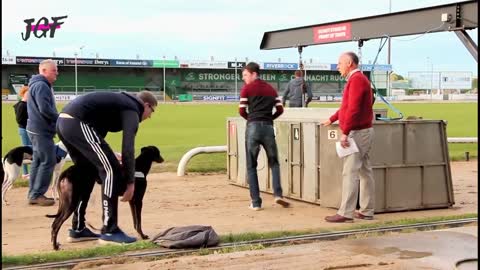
(12, 162)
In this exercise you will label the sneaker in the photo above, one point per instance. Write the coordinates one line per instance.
(338, 219)
(116, 237)
(282, 202)
(42, 201)
(358, 215)
(83, 235)
(25, 176)
(255, 208)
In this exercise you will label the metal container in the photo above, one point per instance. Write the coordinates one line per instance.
(409, 158)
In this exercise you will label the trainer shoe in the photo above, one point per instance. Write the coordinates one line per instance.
(42, 201)
(282, 202)
(255, 208)
(83, 235)
(116, 237)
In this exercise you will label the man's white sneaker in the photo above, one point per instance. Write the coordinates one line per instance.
(255, 208)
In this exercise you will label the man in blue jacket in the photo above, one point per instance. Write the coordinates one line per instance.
(42, 118)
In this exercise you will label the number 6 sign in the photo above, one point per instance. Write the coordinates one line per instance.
(332, 134)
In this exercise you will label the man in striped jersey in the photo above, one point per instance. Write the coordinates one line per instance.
(260, 98)
(82, 127)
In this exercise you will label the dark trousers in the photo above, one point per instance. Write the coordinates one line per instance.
(261, 134)
(87, 148)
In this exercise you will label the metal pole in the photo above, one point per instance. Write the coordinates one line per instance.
(236, 85)
(164, 88)
(431, 82)
(76, 83)
(389, 55)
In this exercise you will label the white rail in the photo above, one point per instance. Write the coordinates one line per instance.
(195, 151)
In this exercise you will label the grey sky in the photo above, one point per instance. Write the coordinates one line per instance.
(197, 30)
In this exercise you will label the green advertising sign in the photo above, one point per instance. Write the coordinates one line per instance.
(168, 63)
(221, 76)
(270, 76)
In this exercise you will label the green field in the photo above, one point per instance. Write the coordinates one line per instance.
(177, 128)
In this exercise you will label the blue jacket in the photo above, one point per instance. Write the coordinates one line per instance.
(42, 113)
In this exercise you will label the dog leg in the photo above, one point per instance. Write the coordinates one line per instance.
(11, 174)
(67, 204)
(136, 208)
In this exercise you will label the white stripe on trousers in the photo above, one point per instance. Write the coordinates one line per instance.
(78, 215)
(89, 133)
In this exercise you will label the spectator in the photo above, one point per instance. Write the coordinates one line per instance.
(21, 115)
(296, 90)
(42, 118)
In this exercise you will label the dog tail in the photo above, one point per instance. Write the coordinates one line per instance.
(52, 216)
(91, 226)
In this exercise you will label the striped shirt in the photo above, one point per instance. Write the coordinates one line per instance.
(259, 98)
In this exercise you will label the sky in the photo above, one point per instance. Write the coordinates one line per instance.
(220, 29)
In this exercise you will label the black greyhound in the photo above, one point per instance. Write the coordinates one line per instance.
(76, 184)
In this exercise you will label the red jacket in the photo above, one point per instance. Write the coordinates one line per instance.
(356, 110)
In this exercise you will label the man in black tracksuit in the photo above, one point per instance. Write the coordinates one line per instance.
(82, 127)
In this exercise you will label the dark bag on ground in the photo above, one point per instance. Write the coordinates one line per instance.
(195, 236)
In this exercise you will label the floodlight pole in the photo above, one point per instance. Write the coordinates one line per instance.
(236, 85)
(164, 88)
(76, 82)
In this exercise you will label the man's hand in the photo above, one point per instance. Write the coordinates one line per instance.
(344, 141)
(326, 123)
(127, 196)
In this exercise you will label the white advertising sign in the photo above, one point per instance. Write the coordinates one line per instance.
(207, 64)
(9, 60)
(316, 66)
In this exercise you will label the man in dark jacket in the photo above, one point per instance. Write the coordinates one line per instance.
(42, 117)
(82, 127)
(295, 91)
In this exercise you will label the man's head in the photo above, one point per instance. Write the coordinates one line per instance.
(149, 103)
(48, 68)
(298, 73)
(347, 62)
(250, 72)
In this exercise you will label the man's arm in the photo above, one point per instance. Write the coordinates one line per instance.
(278, 108)
(242, 108)
(309, 94)
(285, 94)
(130, 122)
(46, 102)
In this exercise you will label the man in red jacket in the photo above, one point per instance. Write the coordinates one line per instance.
(355, 119)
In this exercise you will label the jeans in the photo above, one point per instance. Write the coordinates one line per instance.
(261, 133)
(43, 164)
(25, 141)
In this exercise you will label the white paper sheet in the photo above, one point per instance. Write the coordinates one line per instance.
(343, 152)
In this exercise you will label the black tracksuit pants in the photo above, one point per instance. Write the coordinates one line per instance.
(87, 148)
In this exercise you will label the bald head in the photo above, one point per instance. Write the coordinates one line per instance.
(48, 68)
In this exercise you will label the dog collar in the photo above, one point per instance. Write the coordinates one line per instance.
(139, 174)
